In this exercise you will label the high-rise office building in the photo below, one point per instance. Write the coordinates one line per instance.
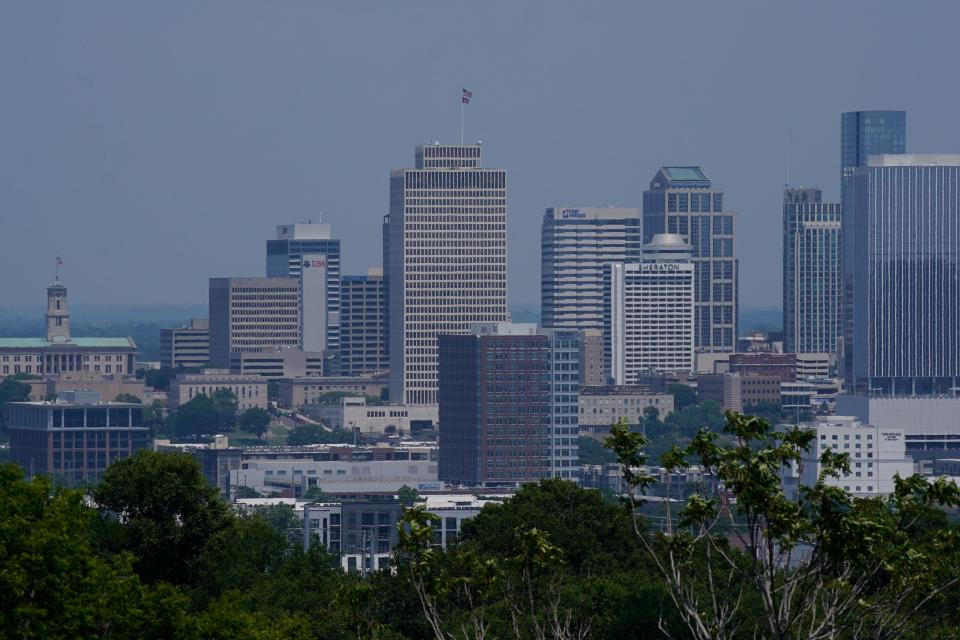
(903, 244)
(250, 315)
(563, 357)
(362, 324)
(186, 346)
(494, 405)
(812, 272)
(862, 134)
(445, 260)
(682, 200)
(870, 133)
(298, 244)
(649, 311)
(575, 244)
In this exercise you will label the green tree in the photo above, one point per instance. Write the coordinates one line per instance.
(256, 421)
(196, 417)
(821, 564)
(225, 403)
(128, 397)
(153, 417)
(315, 434)
(683, 395)
(164, 512)
(316, 494)
(592, 452)
(160, 378)
(408, 496)
(54, 585)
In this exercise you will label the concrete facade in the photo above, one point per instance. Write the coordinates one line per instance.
(734, 392)
(445, 260)
(278, 363)
(354, 413)
(252, 314)
(297, 392)
(250, 390)
(876, 455)
(600, 407)
(186, 346)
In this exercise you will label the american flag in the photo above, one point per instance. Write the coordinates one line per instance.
(465, 98)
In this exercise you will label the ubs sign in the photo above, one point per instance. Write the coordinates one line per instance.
(572, 213)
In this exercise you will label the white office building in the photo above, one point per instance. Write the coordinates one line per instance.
(649, 312)
(445, 260)
(876, 455)
(575, 244)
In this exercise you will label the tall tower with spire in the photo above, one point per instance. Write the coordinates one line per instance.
(58, 316)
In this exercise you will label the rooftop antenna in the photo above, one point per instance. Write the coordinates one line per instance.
(788, 160)
(464, 100)
(56, 269)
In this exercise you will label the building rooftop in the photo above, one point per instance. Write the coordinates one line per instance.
(914, 160)
(691, 177)
(42, 343)
(685, 173)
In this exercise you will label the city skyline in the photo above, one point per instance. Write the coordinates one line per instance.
(96, 141)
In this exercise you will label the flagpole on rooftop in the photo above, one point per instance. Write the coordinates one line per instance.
(461, 121)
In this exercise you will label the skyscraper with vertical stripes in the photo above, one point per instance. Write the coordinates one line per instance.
(575, 244)
(903, 244)
(812, 272)
(445, 260)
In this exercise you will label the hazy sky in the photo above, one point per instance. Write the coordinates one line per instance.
(154, 145)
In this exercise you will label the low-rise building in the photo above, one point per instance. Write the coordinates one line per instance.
(734, 391)
(186, 346)
(353, 412)
(782, 366)
(108, 386)
(876, 455)
(276, 363)
(76, 438)
(931, 424)
(250, 390)
(217, 458)
(602, 406)
(336, 469)
(297, 392)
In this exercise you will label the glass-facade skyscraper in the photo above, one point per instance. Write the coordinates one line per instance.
(862, 134)
(869, 133)
(812, 272)
(575, 244)
(901, 259)
(682, 200)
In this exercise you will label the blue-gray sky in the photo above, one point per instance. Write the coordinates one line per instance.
(154, 145)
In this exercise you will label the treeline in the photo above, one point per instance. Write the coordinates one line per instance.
(161, 556)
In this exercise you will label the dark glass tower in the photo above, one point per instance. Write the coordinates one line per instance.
(682, 200)
(869, 133)
(862, 134)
